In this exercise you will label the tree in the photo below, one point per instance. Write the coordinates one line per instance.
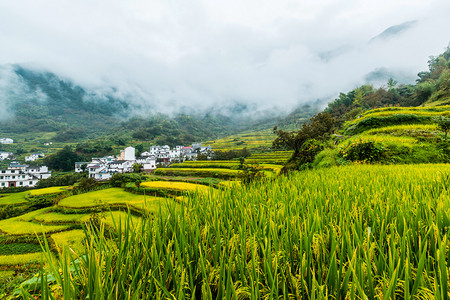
(358, 97)
(443, 124)
(391, 84)
(63, 160)
(137, 168)
(319, 127)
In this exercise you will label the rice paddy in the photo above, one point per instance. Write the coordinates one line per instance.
(355, 232)
(249, 140)
(49, 190)
(108, 197)
(15, 199)
(201, 172)
(20, 259)
(175, 186)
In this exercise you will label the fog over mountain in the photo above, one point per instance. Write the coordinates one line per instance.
(172, 56)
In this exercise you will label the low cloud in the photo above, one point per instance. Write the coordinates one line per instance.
(179, 55)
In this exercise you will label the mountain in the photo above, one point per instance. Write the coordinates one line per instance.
(34, 101)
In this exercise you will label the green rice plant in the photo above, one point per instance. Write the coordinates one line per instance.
(174, 186)
(15, 198)
(112, 197)
(23, 224)
(355, 232)
(16, 226)
(56, 217)
(19, 248)
(206, 164)
(404, 140)
(20, 259)
(6, 274)
(72, 239)
(394, 109)
(229, 184)
(413, 130)
(49, 190)
(394, 116)
(248, 140)
(217, 173)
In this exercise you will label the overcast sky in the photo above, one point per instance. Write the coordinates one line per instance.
(197, 53)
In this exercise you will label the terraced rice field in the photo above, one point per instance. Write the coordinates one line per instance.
(250, 140)
(62, 224)
(175, 186)
(354, 232)
(200, 172)
(112, 197)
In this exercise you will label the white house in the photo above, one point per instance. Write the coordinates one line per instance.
(6, 141)
(128, 154)
(5, 155)
(27, 177)
(104, 167)
(14, 165)
(79, 166)
(146, 154)
(34, 156)
(148, 163)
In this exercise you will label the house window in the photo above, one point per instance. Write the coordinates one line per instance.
(14, 177)
(3, 184)
(3, 171)
(1, 177)
(23, 176)
(21, 183)
(12, 171)
(31, 182)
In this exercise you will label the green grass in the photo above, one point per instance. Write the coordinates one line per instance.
(357, 232)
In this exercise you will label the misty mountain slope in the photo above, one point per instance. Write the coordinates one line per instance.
(37, 102)
(34, 101)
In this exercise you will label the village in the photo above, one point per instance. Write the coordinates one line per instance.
(102, 168)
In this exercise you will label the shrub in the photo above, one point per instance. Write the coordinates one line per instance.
(251, 173)
(366, 151)
(120, 179)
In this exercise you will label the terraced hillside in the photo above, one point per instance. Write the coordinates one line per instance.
(250, 140)
(317, 234)
(62, 223)
(391, 135)
(268, 163)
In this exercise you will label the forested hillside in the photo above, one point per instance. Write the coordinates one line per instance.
(391, 124)
(37, 102)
